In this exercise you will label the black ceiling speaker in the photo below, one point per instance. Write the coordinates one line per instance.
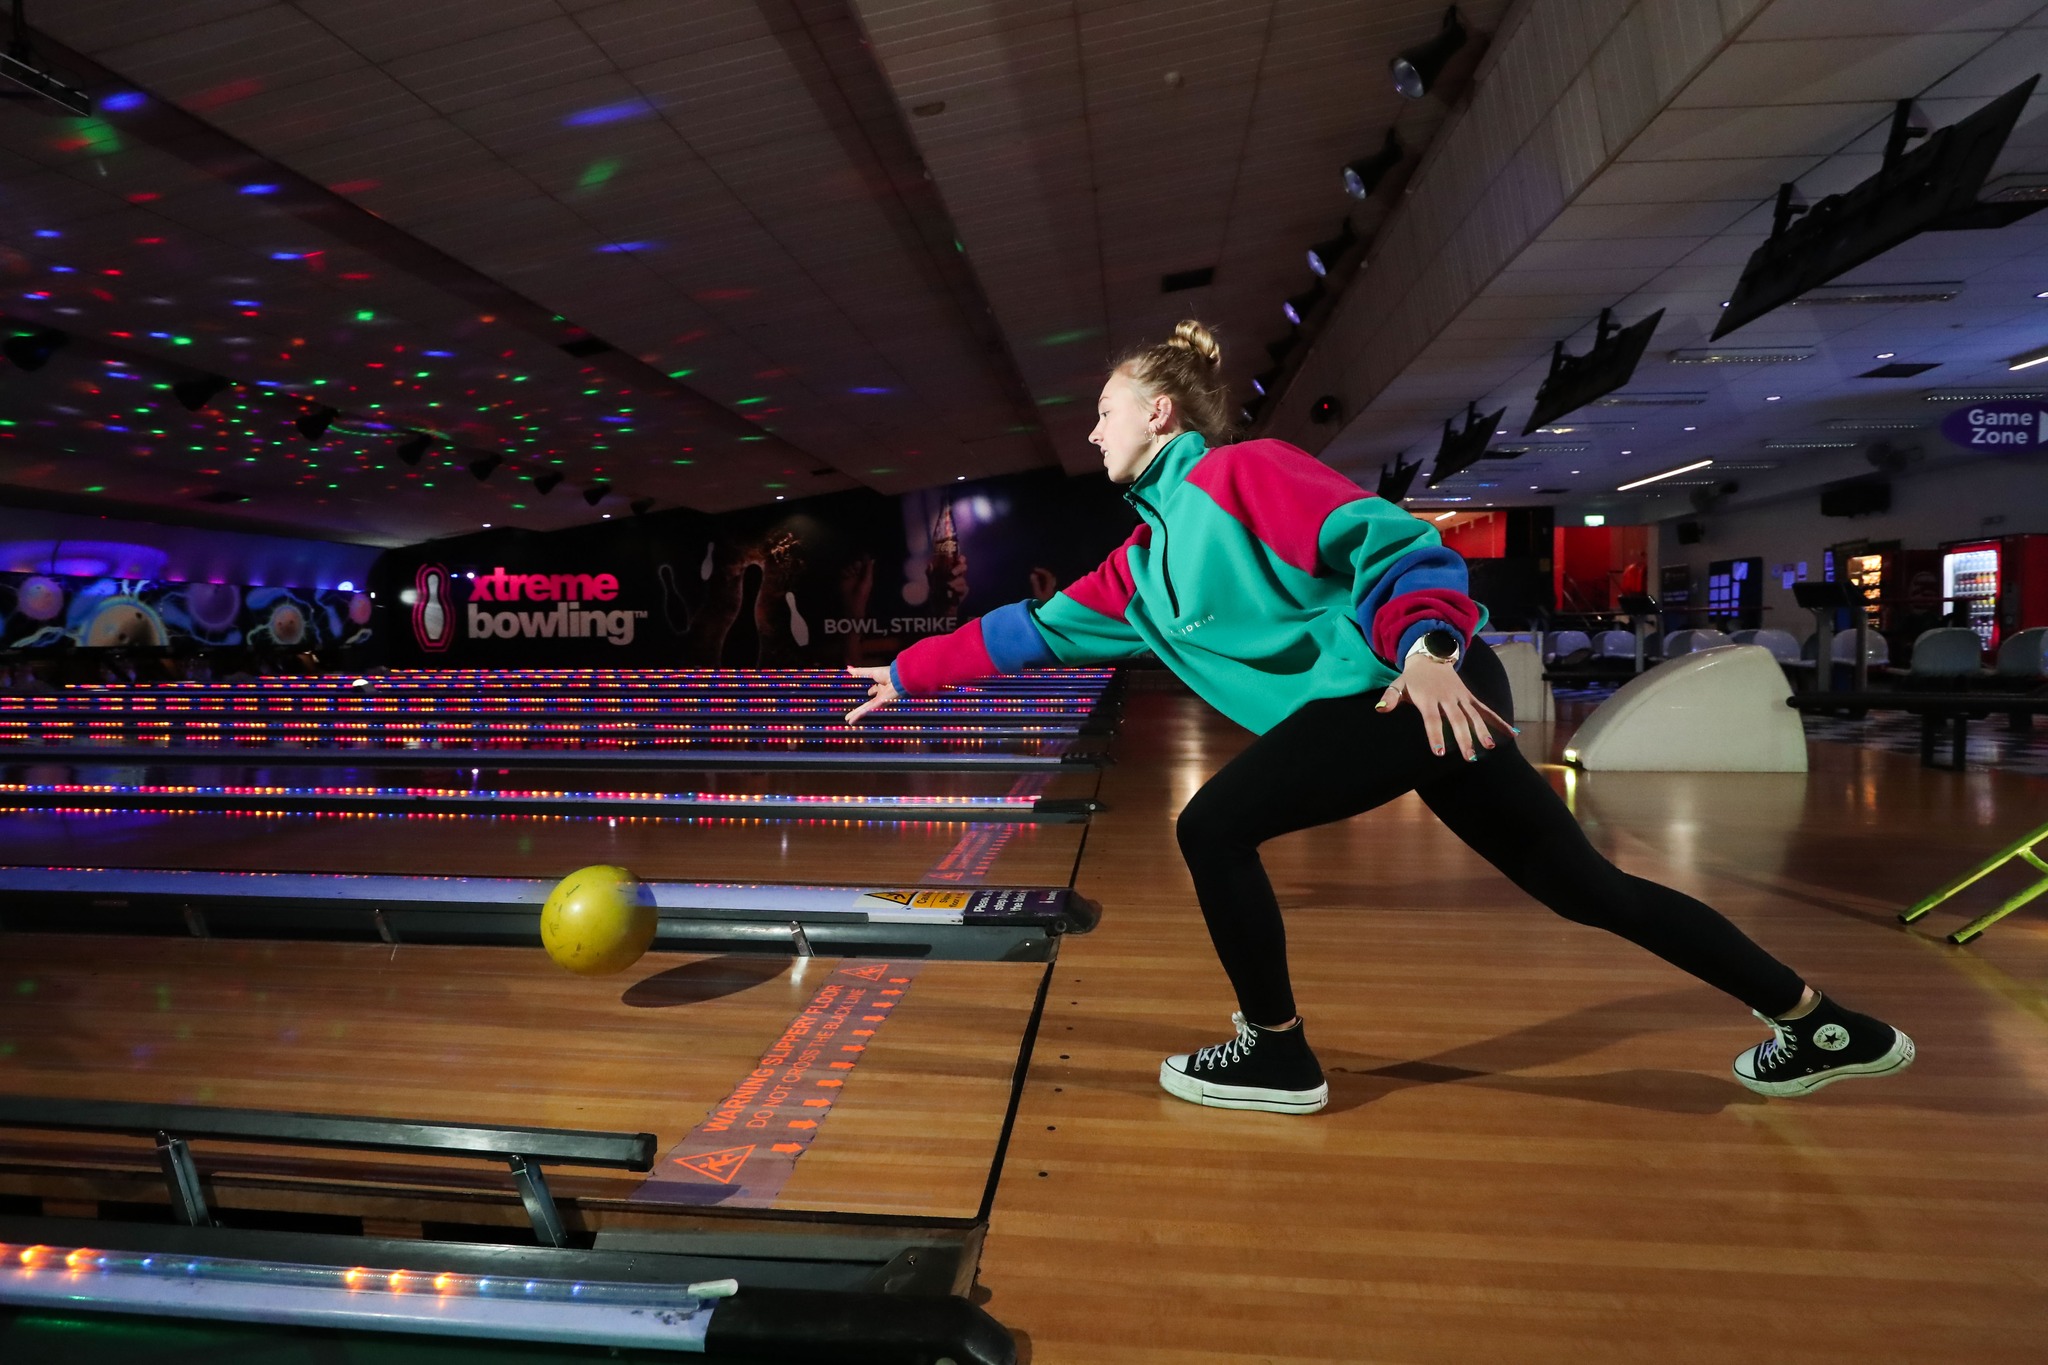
(1325, 255)
(1416, 69)
(546, 481)
(1363, 176)
(597, 493)
(642, 506)
(1326, 410)
(195, 393)
(313, 425)
(32, 350)
(414, 447)
(485, 465)
(1691, 533)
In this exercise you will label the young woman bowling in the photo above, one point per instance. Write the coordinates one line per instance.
(1336, 627)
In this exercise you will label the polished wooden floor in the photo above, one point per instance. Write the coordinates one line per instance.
(500, 1036)
(1534, 1150)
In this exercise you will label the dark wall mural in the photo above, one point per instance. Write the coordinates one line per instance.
(845, 578)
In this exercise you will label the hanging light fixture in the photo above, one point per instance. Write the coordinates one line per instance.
(1417, 68)
(1363, 176)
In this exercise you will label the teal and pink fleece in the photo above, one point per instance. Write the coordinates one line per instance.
(1262, 577)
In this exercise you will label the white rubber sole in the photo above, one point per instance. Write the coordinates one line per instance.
(1897, 1058)
(1183, 1086)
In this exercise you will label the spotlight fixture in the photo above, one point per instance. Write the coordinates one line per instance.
(413, 447)
(2026, 360)
(313, 425)
(1325, 410)
(1362, 177)
(1416, 69)
(1262, 384)
(485, 465)
(1301, 305)
(32, 350)
(1324, 255)
(597, 493)
(642, 506)
(1279, 349)
(195, 393)
(546, 481)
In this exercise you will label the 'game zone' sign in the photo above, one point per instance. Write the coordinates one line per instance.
(519, 606)
(2008, 424)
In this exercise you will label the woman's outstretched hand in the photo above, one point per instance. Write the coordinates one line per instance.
(881, 691)
(1435, 689)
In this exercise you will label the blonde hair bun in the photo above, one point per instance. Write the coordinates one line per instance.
(1195, 337)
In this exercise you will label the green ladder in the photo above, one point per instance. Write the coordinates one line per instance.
(2024, 852)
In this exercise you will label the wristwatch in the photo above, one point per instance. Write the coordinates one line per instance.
(1440, 645)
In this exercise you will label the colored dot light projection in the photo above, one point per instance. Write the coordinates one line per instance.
(677, 800)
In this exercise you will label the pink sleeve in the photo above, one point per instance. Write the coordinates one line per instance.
(1394, 620)
(1280, 493)
(940, 661)
(1109, 587)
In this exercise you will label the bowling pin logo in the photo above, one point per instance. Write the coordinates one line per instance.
(433, 625)
(799, 629)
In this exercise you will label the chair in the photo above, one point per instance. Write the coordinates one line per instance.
(1566, 642)
(1614, 644)
(1947, 652)
(1692, 642)
(1877, 651)
(2024, 656)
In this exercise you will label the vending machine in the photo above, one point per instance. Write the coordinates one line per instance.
(1996, 587)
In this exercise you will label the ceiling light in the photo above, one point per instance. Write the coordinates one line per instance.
(313, 425)
(1885, 355)
(1443, 516)
(1872, 424)
(1323, 255)
(1416, 69)
(1981, 395)
(1301, 305)
(1811, 445)
(1682, 469)
(1773, 398)
(1740, 355)
(2027, 359)
(1692, 428)
(1940, 291)
(1363, 176)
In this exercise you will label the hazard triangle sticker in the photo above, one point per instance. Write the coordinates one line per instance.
(873, 972)
(721, 1166)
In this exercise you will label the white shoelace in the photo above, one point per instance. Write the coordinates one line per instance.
(1781, 1047)
(1224, 1054)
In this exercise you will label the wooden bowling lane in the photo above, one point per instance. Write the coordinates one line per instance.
(503, 1036)
(876, 853)
(596, 777)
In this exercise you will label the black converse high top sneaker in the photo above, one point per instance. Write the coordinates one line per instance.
(1269, 1069)
(1825, 1045)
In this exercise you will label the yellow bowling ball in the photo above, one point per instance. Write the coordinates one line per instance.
(598, 920)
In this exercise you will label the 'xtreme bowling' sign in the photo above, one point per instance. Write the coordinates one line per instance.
(2008, 424)
(518, 606)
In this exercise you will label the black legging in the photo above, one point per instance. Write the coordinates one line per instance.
(1336, 758)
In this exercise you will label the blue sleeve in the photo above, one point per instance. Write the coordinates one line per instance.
(1432, 566)
(1010, 634)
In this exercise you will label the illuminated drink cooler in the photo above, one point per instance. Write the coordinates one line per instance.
(969, 924)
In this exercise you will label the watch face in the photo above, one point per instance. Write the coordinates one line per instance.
(1441, 643)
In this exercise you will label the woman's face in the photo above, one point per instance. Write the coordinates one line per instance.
(1127, 427)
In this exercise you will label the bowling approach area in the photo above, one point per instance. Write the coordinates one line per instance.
(285, 1065)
